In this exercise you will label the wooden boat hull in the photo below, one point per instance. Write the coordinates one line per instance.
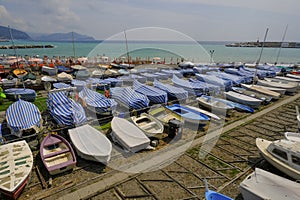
(263, 146)
(150, 125)
(17, 157)
(57, 154)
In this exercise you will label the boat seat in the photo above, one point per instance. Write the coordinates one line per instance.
(62, 166)
(147, 125)
(56, 153)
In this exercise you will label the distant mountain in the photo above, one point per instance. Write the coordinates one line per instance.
(62, 37)
(16, 34)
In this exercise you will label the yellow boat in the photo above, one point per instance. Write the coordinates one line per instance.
(20, 73)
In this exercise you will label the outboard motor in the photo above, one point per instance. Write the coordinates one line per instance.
(174, 129)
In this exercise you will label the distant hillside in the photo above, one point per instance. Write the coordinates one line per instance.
(62, 37)
(19, 35)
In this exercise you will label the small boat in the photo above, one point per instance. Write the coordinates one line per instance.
(64, 110)
(23, 115)
(298, 117)
(91, 144)
(25, 94)
(129, 98)
(294, 76)
(281, 91)
(130, 138)
(172, 91)
(288, 79)
(189, 115)
(63, 76)
(155, 95)
(195, 89)
(209, 114)
(20, 73)
(150, 125)
(214, 105)
(164, 115)
(243, 99)
(261, 90)
(211, 79)
(292, 136)
(264, 98)
(97, 102)
(261, 185)
(213, 195)
(57, 154)
(51, 71)
(15, 167)
(282, 154)
(287, 86)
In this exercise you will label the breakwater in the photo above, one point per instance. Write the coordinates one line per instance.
(266, 44)
(26, 46)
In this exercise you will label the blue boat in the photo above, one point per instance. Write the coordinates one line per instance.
(189, 115)
(23, 115)
(248, 76)
(61, 85)
(172, 71)
(26, 94)
(236, 79)
(212, 89)
(213, 195)
(174, 93)
(97, 102)
(129, 98)
(155, 95)
(64, 110)
(150, 77)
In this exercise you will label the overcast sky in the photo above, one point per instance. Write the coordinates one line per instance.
(202, 20)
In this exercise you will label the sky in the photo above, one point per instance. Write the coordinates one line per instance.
(202, 20)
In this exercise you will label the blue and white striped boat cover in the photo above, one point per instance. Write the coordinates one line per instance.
(162, 76)
(172, 71)
(24, 93)
(129, 98)
(154, 95)
(211, 79)
(61, 85)
(213, 89)
(150, 77)
(22, 115)
(115, 82)
(141, 79)
(64, 110)
(173, 92)
(79, 84)
(195, 89)
(97, 101)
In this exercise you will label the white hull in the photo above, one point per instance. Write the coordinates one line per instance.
(274, 95)
(17, 157)
(243, 99)
(262, 185)
(214, 106)
(148, 124)
(287, 86)
(263, 145)
(292, 136)
(91, 144)
(128, 135)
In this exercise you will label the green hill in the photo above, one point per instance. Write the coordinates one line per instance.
(19, 35)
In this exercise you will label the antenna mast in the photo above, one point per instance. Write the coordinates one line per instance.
(283, 37)
(126, 47)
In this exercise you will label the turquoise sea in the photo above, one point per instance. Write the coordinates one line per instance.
(169, 51)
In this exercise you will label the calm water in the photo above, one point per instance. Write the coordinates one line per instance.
(165, 50)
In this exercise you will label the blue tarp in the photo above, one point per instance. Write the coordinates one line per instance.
(22, 115)
(172, 91)
(64, 110)
(154, 95)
